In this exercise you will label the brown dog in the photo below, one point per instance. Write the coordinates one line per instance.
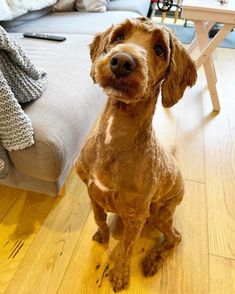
(123, 165)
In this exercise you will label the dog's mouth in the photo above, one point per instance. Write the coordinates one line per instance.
(125, 84)
(126, 89)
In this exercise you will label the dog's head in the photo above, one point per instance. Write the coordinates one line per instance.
(133, 59)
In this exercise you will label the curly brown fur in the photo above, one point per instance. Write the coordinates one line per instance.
(124, 167)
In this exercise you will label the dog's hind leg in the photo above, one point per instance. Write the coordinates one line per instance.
(164, 222)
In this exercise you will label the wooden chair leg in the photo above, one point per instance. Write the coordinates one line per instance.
(153, 7)
(163, 16)
(176, 14)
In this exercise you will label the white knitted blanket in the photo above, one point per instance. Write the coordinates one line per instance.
(20, 82)
(9, 9)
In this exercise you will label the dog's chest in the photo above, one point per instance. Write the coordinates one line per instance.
(102, 194)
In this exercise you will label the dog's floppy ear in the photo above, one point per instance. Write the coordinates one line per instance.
(97, 47)
(94, 46)
(180, 74)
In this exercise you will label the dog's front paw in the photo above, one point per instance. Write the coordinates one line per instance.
(119, 277)
(151, 264)
(101, 237)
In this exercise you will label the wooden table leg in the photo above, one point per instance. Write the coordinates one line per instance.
(207, 26)
(194, 44)
(208, 65)
(209, 48)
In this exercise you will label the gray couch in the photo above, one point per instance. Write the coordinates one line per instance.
(77, 22)
(64, 114)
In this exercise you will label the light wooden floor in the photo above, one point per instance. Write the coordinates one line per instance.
(46, 246)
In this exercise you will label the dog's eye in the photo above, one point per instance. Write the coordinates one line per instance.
(119, 38)
(158, 50)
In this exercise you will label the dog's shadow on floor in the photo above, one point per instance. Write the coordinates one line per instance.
(102, 255)
(116, 229)
(149, 236)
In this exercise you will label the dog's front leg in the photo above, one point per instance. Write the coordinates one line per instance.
(102, 235)
(120, 274)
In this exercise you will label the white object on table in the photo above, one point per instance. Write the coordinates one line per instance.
(205, 14)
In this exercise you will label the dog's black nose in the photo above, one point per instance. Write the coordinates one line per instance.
(122, 64)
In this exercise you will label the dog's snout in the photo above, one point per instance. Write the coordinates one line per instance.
(122, 64)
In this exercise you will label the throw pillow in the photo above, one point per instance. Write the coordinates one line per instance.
(64, 5)
(14, 8)
(91, 5)
(8, 25)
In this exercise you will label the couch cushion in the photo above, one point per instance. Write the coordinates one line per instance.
(74, 22)
(64, 114)
(139, 6)
(21, 181)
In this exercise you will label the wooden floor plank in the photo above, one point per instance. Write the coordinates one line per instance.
(190, 136)
(180, 130)
(220, 172)
(18, 229)
(187, 269)
(8, 197)
(222, 275)
(227, 64)
(46, 260)
(182, 272)
(165, 122)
